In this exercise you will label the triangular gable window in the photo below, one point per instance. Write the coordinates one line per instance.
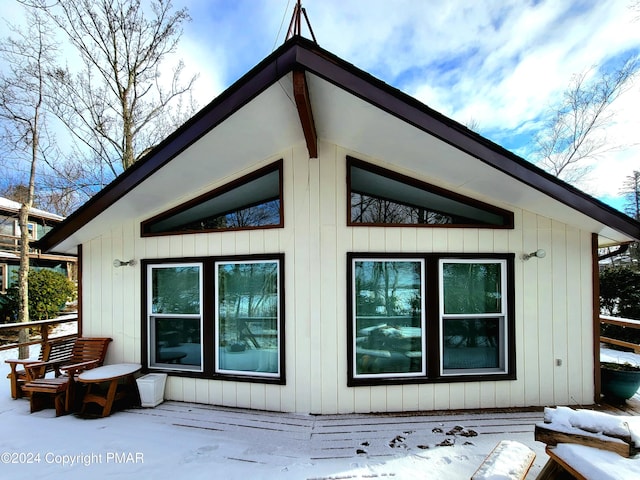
(381, 197)
(253, 201)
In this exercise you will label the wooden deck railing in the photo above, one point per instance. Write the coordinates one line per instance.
(622, 322)
(39, 331)
(11, 244)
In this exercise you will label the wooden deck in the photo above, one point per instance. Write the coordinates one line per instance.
(374, 436)
(629, 407)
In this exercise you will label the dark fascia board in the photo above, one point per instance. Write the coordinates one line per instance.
(299, 53)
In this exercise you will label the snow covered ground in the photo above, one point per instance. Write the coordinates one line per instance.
(143, 444)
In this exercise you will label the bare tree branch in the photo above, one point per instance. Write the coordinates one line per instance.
(574, 132)
(118, 103)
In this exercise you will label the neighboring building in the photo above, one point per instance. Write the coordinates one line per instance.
(316, 241)
(40, 222)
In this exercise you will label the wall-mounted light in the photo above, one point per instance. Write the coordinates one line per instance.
(540, 253)
(120, 263)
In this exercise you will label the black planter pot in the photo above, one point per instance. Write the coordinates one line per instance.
(618, 383)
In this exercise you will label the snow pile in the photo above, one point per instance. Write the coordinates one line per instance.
(508, 461)
(567, 419)
(598, 464)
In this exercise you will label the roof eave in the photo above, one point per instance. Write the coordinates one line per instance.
(302, 54)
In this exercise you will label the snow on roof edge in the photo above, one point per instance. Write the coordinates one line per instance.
(7, 204)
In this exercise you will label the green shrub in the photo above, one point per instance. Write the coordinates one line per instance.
(620, 297)
(48, 293)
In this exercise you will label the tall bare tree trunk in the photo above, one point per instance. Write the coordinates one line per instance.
(23, 284)
(23, 222)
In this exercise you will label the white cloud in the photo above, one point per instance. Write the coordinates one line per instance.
(498, 63)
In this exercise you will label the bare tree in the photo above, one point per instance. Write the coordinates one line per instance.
(117, 104)
(631, 192)
(573, 133)
(23, 93)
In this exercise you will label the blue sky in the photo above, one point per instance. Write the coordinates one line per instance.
(497, 64)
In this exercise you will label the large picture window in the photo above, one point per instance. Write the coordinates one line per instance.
(430, 317)
(388, 320)
(248, 317)
(216, 317)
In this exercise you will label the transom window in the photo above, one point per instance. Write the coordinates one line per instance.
(429, 317)
(378, 196)
(254, 201)
(216, 317)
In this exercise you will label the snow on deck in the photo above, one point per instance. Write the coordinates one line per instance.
(188, 440)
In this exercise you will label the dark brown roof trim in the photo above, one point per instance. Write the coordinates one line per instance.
(301, 54)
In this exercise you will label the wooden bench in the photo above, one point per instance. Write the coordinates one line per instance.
(508, 460)
(53, 352)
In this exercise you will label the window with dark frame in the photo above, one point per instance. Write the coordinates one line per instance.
(381, 197)
(388, 317)
(473, 313)
(216, 317)
(174, 308)
(431, 317)
(247, 312)
(251, 202)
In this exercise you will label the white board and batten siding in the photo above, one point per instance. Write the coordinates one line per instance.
(553, 299)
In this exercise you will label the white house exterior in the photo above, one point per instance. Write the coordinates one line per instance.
(322, 305)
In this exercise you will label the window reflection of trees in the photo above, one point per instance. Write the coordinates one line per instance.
(248, 304)
(176, 290)
(261, 215)
(388, 317)
(472, 289)
(376, 210)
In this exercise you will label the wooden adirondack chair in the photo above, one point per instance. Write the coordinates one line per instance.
(86, 353)
(53, 351)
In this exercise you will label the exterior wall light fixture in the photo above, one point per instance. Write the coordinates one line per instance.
(120, 263)
(540, 253)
